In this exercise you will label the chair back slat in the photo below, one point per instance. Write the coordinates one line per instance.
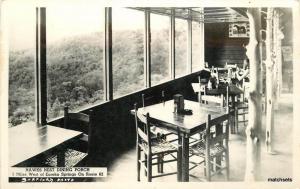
(142, 118)
(213, 139)
(217, 139)
(219, 120)
(76, 121)
(213, 99)
(149, 99)
(83, 123)
(80, 117)
(142, 135)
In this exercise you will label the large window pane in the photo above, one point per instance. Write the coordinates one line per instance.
(196, 47)
(128, 50)
(180, 47)
(160, 29)
(21, 30)
(74, 57)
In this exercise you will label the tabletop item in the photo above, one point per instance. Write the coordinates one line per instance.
(178, 103)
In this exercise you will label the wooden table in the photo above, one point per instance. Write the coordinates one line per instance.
(188, 125)
(30, 139)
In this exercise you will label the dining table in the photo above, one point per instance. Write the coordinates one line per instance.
(31, 139)
(163, 116)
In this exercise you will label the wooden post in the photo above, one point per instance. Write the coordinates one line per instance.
(253, 130)
(278, 37)
(274, 47)
(269, 83)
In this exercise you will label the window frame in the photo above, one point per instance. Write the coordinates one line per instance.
(40, 67)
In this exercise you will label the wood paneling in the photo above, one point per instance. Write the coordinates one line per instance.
(219, 48)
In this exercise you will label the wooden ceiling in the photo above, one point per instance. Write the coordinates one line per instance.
(206, 15)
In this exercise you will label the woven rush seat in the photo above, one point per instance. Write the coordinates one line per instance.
(199, 149)
(73, 157)
(160, 146)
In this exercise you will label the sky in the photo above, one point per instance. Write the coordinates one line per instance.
(65, 21)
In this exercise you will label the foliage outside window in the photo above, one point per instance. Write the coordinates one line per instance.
(196, 47)
(74, 57)
(127, 50)
(180, 47)
(21, 30)
(160, 29)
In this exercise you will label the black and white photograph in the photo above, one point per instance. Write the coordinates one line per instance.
(163, 93)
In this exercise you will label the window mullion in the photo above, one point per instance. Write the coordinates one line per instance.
(147, 50)
(107, 63)
(41, 65)
(172, 44)
(189, 45)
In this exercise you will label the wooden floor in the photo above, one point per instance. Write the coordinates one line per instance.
(124, 168)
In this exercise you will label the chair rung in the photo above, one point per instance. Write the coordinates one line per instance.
(144, 161)
(219, 170)
(167, 161)
(173, 140)
(170, 134)
(195, 163)
(191, 168)
(198, 178)
(216, 164)
(165, 174)
(145, 168)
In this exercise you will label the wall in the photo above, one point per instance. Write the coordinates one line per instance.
(219, 48)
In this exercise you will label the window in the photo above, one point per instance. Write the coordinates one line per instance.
(197, 63)
(21, 30)
(180, 47)
(160, 29)
(74, 57)
(127, 50)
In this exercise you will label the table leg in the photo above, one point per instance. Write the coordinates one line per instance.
(218, 160)
(185, 158)
(234, 124)
(179, 160)
(61, 161)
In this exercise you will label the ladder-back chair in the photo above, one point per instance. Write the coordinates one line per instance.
(213, 147)
(153, 148)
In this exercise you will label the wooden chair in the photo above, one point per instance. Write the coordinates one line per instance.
(213, 147)
(151, 99)
(218, 99)
(221, 101)
(153, 148)
(200, 87)
(241, 109)
(79, 150)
